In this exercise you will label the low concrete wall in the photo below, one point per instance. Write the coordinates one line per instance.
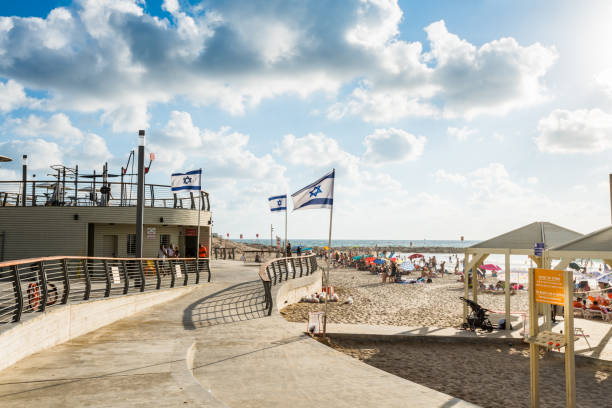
(60, 324)
(293, 290)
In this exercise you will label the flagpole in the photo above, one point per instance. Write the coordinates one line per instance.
(327, 291)
(199, 211)
(286, 211)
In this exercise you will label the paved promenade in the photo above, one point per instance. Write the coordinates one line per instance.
(212, 348)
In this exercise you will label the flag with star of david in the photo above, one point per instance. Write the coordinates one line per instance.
(319, 194)
(186, 181)
(278, 203)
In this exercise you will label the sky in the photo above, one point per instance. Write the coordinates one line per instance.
(442, 118)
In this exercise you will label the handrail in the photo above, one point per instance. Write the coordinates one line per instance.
(271, 273)
(35, 284)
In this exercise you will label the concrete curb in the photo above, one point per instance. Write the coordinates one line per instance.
(182, 373)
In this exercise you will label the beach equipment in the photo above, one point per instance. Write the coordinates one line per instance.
(415, 256)
(358, 257)
(490, 267)
(407, 266)
(575, 266)
(477, 318)
(379, 261)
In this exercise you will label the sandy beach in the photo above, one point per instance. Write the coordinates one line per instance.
(486, 375)
(435, 304)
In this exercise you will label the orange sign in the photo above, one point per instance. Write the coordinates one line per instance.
(549, 286)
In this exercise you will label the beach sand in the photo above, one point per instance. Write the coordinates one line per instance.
(435, 304)
(486, 375)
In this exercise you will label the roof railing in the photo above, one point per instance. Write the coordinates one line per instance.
(45, 193)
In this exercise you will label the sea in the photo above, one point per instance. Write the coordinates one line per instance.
(366, 243)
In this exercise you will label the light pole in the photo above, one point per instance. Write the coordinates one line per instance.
(140, 193)
(271, 230)
(24, 177)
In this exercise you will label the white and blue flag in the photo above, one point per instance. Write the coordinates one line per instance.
(187, 181)
(278, 203)
(319, 194)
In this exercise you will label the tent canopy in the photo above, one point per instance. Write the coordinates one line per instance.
(523, 239)
(597, 244)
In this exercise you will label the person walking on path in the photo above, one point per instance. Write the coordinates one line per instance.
(288, 249)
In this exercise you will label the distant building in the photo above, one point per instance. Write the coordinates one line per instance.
(88, 215)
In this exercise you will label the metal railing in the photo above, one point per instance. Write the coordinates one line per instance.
(279, 270)
(77, 193)
(33, 285)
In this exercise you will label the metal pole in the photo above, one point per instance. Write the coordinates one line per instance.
(271, 229)
(199, 211)
(24, 178)
(286, 223)
(140, 193)
(331, 215)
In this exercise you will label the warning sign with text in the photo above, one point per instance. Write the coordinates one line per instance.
(548, 286)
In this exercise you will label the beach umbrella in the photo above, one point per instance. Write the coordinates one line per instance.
(407, 266)
(490, 267)
(575, 266)
(606, 278)
(379, 261)
(414, 256)
(358, 257)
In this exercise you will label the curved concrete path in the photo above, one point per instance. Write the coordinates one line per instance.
(212, 348)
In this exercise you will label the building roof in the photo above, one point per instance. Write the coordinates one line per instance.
(524, 238)
(597, 241)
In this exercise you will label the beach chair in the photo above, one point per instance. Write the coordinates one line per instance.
(578, 312)
(590, 313)
(606, 314)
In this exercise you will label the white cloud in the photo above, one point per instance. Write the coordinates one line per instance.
(69, 145)
(578, 131)
(392, 145)
(487, 196)
(58, 126)
(460, 134)
(171, 6)
(110, 56)
(604, 81)
(13, 96)
(493, 79)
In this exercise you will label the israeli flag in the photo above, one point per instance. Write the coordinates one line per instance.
(319, 194)
(187, 181)
(278, 203)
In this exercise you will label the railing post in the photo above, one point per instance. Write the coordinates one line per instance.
(197, 263)
(172, 273)
(186, 274)
(108, 279)
(42, 278)
(175, 203)
(126, 285)
(267, 288)
(293, 266)
(87, 280)
(142, 276)
(192, 206)
(156, 263)
(152, 195)
(18, 294)
(66, 282)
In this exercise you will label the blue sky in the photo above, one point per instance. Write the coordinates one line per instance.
(442, 118)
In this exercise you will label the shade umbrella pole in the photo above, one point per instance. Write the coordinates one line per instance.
(331, 215)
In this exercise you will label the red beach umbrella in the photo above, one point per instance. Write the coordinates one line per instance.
(414, 256)
(490, 267)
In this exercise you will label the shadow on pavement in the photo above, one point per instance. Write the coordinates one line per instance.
(244, 301)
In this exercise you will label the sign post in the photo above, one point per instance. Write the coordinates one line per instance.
(553, 287)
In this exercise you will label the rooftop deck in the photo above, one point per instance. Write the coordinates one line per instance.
(89, 193)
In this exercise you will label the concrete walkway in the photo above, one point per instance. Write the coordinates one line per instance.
(214, 347)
